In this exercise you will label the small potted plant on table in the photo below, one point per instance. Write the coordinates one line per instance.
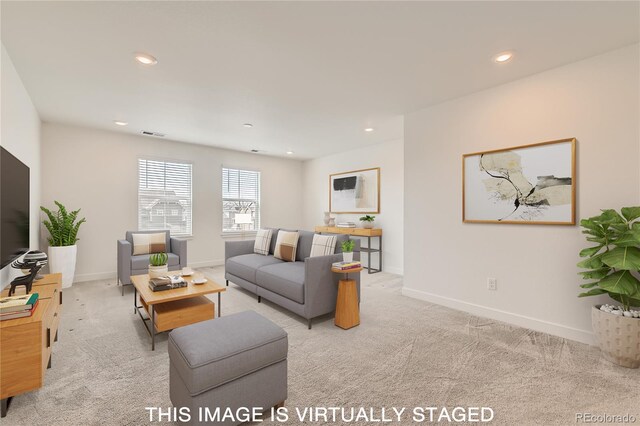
(347, 250)
(367, 221)
(613, 265)
(158, 265)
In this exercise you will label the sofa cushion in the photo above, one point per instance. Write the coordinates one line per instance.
(305, 241)
(246, 265)
(274, 238)
(323, 245)
(286, 245)
(340, 238)
(285, 279)
(141, 261)
(263, 241)
(210, 353)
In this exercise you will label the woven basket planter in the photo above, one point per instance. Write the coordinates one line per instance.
(618, 337)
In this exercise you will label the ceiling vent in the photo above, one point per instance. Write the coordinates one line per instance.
(156, 134)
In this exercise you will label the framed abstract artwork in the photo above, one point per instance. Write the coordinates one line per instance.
(355, 192)
(530, 184)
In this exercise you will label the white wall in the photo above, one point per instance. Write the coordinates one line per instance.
(20, 135)
(97, 171)
(389, 157)
(448, 262)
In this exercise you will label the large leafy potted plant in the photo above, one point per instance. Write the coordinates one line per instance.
(612, 268)
(63, 229)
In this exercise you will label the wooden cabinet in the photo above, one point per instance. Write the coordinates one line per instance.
(26, 343)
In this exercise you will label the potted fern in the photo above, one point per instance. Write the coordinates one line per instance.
(158, 265)
(63, 229)
(612, 269)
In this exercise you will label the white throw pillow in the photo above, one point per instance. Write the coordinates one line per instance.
(263, 241)
(323, 245)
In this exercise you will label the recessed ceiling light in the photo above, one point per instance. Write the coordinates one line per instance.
(248, 125)
(289, 152)
(145, 59)
(503, 57)
(369, 129)
(120, 123)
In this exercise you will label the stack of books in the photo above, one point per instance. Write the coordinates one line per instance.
(346, 225)
(167, 283)
(18, 306)
(345, 266)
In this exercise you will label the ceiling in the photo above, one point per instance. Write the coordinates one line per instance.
(309, 76)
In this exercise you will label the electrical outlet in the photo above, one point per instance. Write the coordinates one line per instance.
(492, 284)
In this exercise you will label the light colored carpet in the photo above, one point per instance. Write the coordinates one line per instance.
(405, 353)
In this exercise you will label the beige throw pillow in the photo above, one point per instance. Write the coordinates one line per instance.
(286, 246)
(263, 241)
(323, 245)
(149, 243)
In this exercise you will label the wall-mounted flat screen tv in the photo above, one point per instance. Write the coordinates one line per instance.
(14, 208)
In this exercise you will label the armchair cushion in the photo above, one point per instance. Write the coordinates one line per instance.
(246, 265)
(141, 261)
(149, 243)
(285, 279)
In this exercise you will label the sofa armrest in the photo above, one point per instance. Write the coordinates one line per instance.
(237, 248)
(124, 261)
(321, 285)
(179, 248)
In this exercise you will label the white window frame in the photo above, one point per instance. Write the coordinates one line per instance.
(227, 232)
(187, 195)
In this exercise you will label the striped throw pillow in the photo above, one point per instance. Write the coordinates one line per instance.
(323, 245)
(286, 246)
(149, 243)
(263, 241)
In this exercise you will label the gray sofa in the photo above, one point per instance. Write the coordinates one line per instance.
(129, 265)
(306, 287)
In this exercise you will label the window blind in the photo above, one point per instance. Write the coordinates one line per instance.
(240, 200)
(164, 196)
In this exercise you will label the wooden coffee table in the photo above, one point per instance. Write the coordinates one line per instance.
(174, 308)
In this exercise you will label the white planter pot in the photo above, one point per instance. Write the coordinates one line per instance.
(367, 225)
(618, 337)
(63, 260)
(347, 257)
(158, 271)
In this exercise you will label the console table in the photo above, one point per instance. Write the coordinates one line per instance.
(367, 233)
(26, 343)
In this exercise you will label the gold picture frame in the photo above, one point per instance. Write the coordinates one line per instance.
(506, 174)
(347, 190)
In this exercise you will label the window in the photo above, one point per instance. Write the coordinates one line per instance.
(240, 200)
(164, 196)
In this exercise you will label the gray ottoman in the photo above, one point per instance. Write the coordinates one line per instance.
(231, 362)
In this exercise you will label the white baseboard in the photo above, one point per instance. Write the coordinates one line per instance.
(583, 336)
(393, 270)
(207, 264)
(80, 278)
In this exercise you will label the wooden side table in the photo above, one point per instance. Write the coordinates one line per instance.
(347, 307)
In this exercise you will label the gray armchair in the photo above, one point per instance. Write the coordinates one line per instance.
(129, 265)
